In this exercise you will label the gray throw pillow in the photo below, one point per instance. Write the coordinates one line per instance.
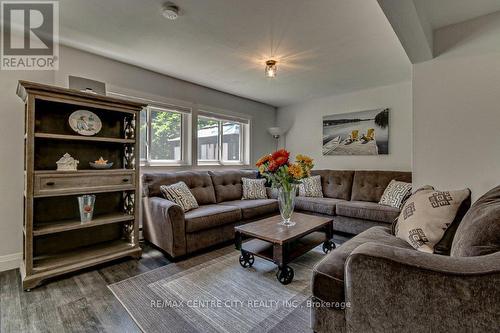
(426, 215)
(254, 189)
(479, 232)
(311, 187)
(395, 194)
(180, 194)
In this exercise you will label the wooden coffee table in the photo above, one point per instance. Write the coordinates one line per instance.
(280, 244)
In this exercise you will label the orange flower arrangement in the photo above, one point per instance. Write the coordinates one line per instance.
(277, 169)
(282, 174)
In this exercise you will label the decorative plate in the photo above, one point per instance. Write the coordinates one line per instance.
(101, 166)
(85, 122)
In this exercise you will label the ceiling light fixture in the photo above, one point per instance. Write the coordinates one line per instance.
(271, 68)
(170, 11)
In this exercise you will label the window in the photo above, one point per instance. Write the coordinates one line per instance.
(220, 140)
(208, 139)
(162, 136)
(231, 141)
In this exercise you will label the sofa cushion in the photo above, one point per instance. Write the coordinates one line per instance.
(311, 187)
(180, 194)
(228, 185)
(370, 185)
(354, 226)
(336, 183)
(395, 194)
(479, 232)
(426, 215)
(253, 189)
(367, 211)
(254, 208)
(199, 183)
(444, 245)
(317, 205)
(328, 274)
(211, 216)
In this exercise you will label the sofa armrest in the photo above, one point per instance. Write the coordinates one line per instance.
(164, 225)
(395, 289)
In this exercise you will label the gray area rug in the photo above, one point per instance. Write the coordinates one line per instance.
(213, 293)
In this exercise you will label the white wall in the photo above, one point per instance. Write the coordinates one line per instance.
(305, 127)
(74, 62)
(11, 166)
(456, 101)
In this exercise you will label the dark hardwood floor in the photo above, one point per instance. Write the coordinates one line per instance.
(80, 302)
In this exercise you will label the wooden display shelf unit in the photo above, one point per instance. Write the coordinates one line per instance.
(91, 255)
(82, 182)
(50, 266)
(55, 241)
(67, 225)
(81, 138)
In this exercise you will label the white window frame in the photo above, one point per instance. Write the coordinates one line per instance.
(184, 138)
(244, 140)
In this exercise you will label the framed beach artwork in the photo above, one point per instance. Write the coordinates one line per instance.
(356, 133)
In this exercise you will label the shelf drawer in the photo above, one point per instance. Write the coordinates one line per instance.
(72, 183)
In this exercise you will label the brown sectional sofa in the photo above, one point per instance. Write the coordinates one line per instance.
(221, 208)
(350, 196)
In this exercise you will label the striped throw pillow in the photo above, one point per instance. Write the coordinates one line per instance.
(254, 189)
(311, 187)
(395, 194)
(180, 194)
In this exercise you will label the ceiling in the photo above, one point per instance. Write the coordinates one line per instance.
(441, 13)
(323, 47)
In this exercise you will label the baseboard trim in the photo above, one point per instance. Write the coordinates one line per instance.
(10, 261)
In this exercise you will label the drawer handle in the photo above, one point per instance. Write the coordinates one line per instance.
(125, 180)
(50, 183)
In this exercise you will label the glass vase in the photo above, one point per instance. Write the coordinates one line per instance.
(286, 201)
(86, 205)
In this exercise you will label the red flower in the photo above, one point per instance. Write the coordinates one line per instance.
(281, 160)
(281, 153)
(273, 166)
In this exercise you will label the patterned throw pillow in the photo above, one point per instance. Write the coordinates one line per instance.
(180, 194)
(311, 187)
(395, 194)
(254, 189)
(426, 215)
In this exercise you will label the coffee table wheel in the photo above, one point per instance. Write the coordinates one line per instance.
(328, 246)
(285, 274)
(246, 259)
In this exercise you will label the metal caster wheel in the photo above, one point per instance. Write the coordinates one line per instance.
(328, 246)
(285, 275)
(246, 259)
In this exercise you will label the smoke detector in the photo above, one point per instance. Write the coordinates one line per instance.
(170, 11)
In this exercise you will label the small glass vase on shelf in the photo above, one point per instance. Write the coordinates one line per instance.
(86, 206)
(285, 176)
